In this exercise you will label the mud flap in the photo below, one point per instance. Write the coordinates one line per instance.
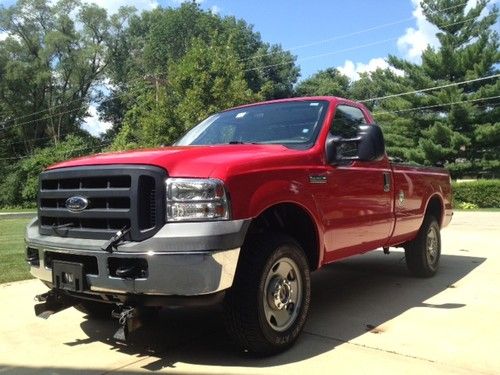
(51, 302)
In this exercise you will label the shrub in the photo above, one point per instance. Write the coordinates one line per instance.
(482, 193)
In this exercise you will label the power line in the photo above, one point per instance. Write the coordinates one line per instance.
(374, 113)
(63, 113)
(354, 33)
(246, 70)
(436, 105)
(430, 88)
(324, 54)
(271, 53)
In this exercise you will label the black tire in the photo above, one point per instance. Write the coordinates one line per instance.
(97, 310)
(423, 253)
(248, 301)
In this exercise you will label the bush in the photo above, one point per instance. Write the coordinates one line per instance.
(481, 193)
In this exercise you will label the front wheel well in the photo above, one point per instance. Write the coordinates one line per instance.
(293, 220)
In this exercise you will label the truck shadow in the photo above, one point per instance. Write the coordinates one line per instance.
(349, 298)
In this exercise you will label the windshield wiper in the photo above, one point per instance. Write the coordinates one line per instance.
(242, 143)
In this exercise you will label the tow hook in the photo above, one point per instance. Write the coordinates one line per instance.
(51, 303)
(129, 319)
(386, 250)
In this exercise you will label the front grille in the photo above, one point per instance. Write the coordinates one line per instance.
(128, 196)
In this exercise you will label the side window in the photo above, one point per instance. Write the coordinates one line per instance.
(346, 121)
(345, 125)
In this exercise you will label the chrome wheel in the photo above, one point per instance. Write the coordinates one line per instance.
(283, 294)
(432, 250)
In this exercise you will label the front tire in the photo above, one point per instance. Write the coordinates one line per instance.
(423, 253)
(268, 303)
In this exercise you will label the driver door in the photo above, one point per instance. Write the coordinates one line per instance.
(357, 206)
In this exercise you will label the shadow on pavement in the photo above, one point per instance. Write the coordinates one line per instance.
(350, 298)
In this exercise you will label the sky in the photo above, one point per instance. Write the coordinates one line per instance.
(353, 36)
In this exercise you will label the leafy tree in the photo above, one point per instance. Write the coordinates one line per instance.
(464, 135)
(20, 187)
(325, 82)
(158, 40)
(53, 57)
(209, 78)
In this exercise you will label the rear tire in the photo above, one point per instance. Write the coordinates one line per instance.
(267, 306)
(423, 253)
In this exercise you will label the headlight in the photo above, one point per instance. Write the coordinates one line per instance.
(196, 199)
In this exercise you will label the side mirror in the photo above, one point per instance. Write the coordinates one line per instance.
(368, 145)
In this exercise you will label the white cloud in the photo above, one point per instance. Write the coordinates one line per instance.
(3, 35)
(112, 6)
(353, 70)
(184, 1)
(93, 125)
(415, 40)
(214, 9)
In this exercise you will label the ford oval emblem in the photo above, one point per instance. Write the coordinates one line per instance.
(76, 203)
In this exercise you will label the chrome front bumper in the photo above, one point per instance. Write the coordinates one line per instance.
(172, 270)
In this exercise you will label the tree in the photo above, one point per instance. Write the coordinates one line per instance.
(20, 186)
(159, 39)
(54, 56)
(209, 78)
(460, 124)
(325, 82)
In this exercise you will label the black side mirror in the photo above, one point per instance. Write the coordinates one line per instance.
(368, 145)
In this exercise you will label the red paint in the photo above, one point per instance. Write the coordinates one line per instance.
(351, 211)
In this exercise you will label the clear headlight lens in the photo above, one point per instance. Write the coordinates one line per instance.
(196, 199)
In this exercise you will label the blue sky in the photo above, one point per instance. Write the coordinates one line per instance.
(315, 31)
(295, 23)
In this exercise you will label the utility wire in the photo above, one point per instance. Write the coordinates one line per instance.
(430, 88)
(377, 27)
(436, 105)
(354, 33)
(374, 113)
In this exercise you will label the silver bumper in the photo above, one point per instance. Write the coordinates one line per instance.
(177, 272)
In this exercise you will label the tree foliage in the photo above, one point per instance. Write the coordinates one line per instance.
(20, 186)
(164, 44)
(55, 53)
(456, 125)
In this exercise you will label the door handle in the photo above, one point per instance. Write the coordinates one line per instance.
(387, 181)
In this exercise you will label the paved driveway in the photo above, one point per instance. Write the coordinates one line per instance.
(367, 316)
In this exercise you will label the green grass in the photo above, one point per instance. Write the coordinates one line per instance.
(13, 265)
(5, 210)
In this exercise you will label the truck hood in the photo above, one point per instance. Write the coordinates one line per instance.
(188, 161)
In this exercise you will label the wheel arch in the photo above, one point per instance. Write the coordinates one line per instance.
(295, 220)
(435, 206)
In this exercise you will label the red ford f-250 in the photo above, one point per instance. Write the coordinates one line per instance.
(240, 210)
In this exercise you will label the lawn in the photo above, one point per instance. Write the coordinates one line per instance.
(5, 210)
(13, 265)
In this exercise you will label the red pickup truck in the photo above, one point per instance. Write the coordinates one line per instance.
(240, 210)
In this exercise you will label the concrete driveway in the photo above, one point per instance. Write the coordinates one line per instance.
(367, 316)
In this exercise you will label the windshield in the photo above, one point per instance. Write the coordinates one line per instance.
(293, 124)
